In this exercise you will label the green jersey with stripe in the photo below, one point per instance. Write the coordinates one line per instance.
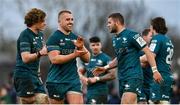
(99, 60)
(127, 45)
(162, 46)
(67, 72)
(28, 41)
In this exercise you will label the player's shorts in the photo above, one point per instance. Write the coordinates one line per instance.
(26, 87)
(133, 85)
(144, 95)
(96, 99)
(59, 90)
(161, 91)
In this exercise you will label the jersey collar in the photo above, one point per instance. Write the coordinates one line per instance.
(120, 32)
(97, 54)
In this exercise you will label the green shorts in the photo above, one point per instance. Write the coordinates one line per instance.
(26, 87)
(161, 91)
(131, 85)
(144, 95)
(59, 90)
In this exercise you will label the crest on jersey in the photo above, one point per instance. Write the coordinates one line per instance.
(99, 62)
(124, 40)
(62, 43)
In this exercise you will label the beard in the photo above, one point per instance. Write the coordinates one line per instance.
(68, 29)
(114, 29)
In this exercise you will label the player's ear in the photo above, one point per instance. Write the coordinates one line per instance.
(117, 22)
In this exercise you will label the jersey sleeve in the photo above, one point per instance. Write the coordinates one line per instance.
(25, 43)
(154, 45)
(138, 41)
(52, 44)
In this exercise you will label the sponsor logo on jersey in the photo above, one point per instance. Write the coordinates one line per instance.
(141, 41)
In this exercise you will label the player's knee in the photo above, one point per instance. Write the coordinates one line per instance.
(164, 102)
(154, 102)
(129, 98)
(56, 101)
(28, 100)
(41, 98)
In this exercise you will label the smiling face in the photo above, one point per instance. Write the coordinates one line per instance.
(66, 21)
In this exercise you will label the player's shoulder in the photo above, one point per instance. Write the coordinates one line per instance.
(132, 33)
(105, 56)
(160, 37)
(73, 35)
(55, 34)
(25, 32)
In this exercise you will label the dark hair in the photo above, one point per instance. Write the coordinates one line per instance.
(63, 11)
(145, 32)
(159, 25)
(34, 16)
(118, 17)
(94, 39)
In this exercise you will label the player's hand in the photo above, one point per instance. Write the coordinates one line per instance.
(43, 51)
(157, 77)
(79, 53)
(99, 70)
(79, 43)
(84, 80)
(92, 80)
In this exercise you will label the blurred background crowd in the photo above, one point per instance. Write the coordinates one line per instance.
(90, 20)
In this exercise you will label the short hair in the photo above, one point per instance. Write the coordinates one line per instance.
(63, 11)
(159, 25)
(34, 16)
(145, 32)
(94, 39)
(117, 16)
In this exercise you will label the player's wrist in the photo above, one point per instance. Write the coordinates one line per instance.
(106, 67)
(154, 69)
(97, 79)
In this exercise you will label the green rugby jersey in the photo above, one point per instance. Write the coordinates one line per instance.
(99, 60)
(28, 41)
(162, 46)
(127, 45)
(67, 72)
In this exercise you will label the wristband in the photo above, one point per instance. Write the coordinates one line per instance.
(97, 79)
(106, 67)
(154, 69)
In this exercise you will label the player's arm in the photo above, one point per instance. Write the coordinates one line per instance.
(150, 57)
(111, 65)
(27, 57)
(56, 58)
(85, 58)
(25, 48)
(107, 77)
(81, 72)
